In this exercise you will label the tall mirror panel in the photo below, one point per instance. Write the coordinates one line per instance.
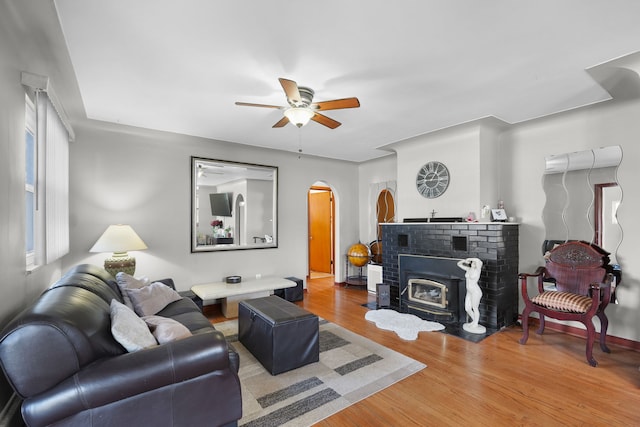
(582, 197)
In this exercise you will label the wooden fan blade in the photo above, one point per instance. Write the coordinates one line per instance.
(249, 104)
(324, 120)
(283, 122)
(291, 89)
(336, 104)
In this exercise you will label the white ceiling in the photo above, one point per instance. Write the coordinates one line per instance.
(416, 66)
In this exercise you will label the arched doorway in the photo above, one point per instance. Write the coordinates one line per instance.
(385, 212)
(321, 231)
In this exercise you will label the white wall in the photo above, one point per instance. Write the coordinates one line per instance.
(469, 152)
(491, 166)
(518, 167)
(142, 178)
(25, 45)
(611, 123)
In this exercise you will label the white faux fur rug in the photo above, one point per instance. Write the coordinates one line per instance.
(405, 325)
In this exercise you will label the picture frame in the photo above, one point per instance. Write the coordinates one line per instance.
(498, 215)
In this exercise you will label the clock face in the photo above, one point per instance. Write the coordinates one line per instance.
(432, 180)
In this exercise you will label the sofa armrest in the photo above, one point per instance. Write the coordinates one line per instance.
(120, 377)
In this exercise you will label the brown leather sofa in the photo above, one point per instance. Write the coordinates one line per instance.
(60, 357)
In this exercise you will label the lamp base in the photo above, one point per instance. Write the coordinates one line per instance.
(120, 263)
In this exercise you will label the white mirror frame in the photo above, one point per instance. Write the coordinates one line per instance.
(252, 194)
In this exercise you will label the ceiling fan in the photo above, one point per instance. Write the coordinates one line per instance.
(301, 107)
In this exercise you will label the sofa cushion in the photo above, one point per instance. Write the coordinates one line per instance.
(183, 305)
(187, 313)
(166, 330)
(128, 329)
(126, 282)
(168, 282)
(149, 300)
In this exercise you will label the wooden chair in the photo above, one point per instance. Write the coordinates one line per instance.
(582, 276)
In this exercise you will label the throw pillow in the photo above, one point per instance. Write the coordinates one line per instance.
(128, 329)
(166, 330)
(126, 281)
(151, 299)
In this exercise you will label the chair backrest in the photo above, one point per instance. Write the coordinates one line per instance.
(576, 265)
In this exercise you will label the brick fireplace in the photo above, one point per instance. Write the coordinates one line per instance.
(496, 244)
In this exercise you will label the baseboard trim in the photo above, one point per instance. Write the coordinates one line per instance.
(582, 333)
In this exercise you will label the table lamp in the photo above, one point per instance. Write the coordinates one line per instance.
(119, 239)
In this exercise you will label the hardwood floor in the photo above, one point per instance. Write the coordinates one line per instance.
(546, 382)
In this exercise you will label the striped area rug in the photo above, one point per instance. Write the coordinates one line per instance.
(350, 369)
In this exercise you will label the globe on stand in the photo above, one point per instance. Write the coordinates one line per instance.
(358, 256)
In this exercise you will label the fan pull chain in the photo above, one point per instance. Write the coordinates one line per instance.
(299, 143)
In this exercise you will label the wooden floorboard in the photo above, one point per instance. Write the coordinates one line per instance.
(546, 382)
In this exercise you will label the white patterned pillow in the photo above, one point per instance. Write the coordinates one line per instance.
(126, 281)
(166, 330)
(149, 300)
(128, 329)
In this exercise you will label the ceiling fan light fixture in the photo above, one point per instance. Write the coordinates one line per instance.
(299, 116)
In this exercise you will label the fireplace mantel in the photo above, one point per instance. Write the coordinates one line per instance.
(496, 244)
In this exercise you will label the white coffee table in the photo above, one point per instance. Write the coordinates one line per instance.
(232, 293)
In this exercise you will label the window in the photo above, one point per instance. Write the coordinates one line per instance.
(47, 136)
(30, 180)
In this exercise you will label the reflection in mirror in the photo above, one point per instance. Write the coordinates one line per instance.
(233, 205)
(608, 233)
(583, 195)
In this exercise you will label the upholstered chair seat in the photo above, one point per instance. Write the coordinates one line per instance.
(563, 301)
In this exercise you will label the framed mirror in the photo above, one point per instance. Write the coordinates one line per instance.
(233, 205)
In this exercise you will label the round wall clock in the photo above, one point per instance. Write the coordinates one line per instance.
(432, 180)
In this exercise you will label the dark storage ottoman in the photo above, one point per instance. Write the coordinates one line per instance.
(291, 294)
(281, 335)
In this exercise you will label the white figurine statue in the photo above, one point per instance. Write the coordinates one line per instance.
(473, 267)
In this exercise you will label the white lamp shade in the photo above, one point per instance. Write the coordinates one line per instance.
(118, 238)
(299, 116)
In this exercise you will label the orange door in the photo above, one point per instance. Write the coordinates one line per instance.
(320, 238)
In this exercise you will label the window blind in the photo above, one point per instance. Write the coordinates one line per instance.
(52, 182)
(56, 182)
